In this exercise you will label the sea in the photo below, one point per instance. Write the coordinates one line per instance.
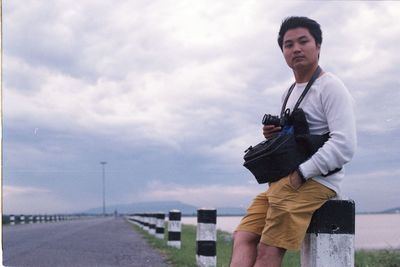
(373, 231)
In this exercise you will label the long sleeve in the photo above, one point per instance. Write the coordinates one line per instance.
(337, 106)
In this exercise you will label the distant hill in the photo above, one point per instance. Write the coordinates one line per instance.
(162, 206)
(393, 210)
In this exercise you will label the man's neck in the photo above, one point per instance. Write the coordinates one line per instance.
(304, 74)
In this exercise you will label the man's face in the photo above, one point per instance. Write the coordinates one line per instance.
(299, 49)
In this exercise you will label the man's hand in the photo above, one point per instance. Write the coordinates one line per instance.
(295, 180)
(270, 131)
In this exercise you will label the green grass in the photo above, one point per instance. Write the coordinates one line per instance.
(378, 258)
(186, 256)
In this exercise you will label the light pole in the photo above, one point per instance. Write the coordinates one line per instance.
(103, 163)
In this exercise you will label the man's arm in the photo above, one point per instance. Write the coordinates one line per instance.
(339, 149)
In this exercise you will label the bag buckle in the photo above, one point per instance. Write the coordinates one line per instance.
(248, 149)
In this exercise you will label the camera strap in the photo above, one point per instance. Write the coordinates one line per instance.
(315, 75)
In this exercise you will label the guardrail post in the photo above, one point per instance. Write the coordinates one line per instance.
(152, 224)
(206, 236)
(146, 222)
(330, 237)
(160, 225)
(21, 219)
(6, 219)
(174, 228)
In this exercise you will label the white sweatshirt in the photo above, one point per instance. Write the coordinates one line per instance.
(328, 106)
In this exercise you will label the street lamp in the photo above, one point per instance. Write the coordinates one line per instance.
(103, 163)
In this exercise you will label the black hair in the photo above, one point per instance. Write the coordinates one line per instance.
(300, 22)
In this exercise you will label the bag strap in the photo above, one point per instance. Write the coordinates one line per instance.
(315, 75)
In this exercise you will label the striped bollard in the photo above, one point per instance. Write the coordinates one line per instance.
(30, 219)
(146, 222)
(12, 220)
(6, 219)
(174, 229)
(22, 219)
(206, 236)
(153, 221)
(142, 218)
(330, 237)
(160, 225)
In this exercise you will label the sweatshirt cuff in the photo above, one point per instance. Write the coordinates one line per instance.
(309, 169)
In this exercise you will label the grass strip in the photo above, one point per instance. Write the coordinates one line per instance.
(186, 256)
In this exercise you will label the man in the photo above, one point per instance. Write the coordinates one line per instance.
(277, 219)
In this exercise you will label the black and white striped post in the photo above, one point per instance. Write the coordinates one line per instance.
(145, 222)
(6, 219)
(174, 228)
(12, 220)
(160, 225)
(206, 237)
(330, 237)
(153, 221)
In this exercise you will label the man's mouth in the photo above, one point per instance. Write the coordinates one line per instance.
(298, 58)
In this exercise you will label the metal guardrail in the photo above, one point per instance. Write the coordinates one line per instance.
(10, 219)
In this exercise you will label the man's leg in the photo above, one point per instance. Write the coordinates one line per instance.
(244, 252)
(269, 256)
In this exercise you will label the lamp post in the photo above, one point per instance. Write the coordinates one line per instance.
(103, 163)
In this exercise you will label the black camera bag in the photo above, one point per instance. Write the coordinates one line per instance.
(276, 158)
(273, 159)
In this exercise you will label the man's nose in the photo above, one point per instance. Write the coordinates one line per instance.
(296, 47)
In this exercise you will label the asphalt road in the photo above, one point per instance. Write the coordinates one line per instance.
(90, 242)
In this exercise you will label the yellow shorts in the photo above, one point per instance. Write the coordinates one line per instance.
(281, 215)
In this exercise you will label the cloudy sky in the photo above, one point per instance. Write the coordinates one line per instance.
(170, 94)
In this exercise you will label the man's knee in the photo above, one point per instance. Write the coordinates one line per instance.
(270, 253)
(245, 238)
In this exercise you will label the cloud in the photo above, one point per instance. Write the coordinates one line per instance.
(33, 200)
(174, 91)
(214, 195)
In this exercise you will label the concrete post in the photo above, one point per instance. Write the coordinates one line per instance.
(330, 237)
(174, 229)
(146, 222)
(152, 224)
(160, 225)
(206, 236)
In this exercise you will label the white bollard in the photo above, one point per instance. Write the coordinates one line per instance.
(153, 221)
(22, 219)
(174, 229)
(12, 220)
(160, 225)
(147, 222)
(206, 237)
(330, 237)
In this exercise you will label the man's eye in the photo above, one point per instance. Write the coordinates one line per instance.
(288, 45)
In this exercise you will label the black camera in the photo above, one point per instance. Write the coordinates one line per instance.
(269, 119)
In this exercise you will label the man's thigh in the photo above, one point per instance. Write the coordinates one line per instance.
(254, 220)
(290, 211)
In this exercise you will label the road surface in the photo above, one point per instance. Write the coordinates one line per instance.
(98, 242)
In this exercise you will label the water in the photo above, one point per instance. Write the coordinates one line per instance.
(373, 231)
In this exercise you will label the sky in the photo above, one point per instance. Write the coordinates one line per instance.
(170, 93)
